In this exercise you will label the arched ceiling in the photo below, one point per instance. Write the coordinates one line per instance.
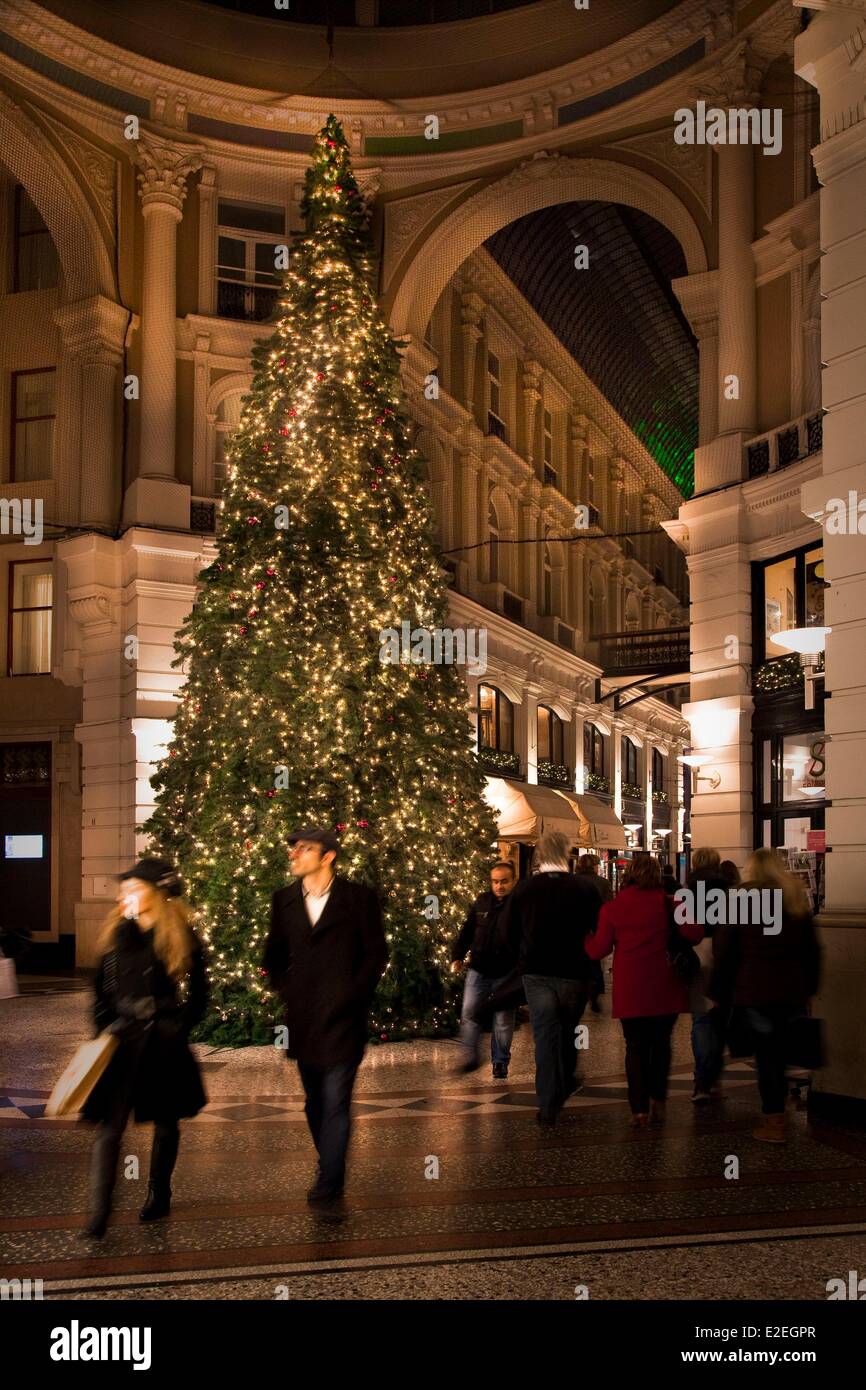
(619, 318)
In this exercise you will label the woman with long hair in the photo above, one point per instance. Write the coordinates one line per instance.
(770, 975)
(151, 990)
(647, 993)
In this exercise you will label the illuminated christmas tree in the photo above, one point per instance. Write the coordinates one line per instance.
(289, 715)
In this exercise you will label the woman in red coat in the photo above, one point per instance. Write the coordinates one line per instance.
(647, 992)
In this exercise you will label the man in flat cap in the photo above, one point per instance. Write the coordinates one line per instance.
(325, 955)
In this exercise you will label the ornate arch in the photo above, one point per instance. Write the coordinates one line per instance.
(537, 183)
(38, 166)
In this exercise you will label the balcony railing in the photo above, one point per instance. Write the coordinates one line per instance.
(659, 651)
(779, 448)
(631, 789)
(554, 774)
(499, 763)
(202, 515)
(597, 782)
(236, 300)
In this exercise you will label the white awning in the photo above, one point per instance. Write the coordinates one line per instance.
(525, 811)
(600, 826)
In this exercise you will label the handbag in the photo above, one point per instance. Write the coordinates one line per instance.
(81, 1075)
(8, 978)
(804, 1042)
(682, 956)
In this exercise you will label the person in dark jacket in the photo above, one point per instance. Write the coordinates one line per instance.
(588, 864)
(492, 958)
(151, 990)
(550, 914)
(708, 1028)
(325, 955)
(770, 976)
(669, 880)
(647, 993)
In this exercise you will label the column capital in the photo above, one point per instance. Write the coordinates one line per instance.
(471, 309)
(734, 81)
(93, 329)
(163, 169)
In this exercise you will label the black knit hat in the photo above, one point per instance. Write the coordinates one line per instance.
(158, 872)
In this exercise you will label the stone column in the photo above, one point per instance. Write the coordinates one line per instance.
(207, 203)
(156, 497)
(829, 56)
(93, 332)
(470, 329)
(531, 398)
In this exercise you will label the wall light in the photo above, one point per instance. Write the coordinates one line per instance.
(810, 642)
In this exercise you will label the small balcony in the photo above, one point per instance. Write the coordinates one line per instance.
(239, 300)
(496, 427)
(780, 448)
(555, 774)
(658, 651)
(497, 763)
(203, 513)
(596, 783)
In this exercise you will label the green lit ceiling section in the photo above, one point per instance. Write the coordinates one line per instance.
(618, 318)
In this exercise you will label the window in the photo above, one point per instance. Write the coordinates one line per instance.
(658, 771)
(593, 750)
(495, 720)
(551, 735)
(787, 592)
(247, 278)
(493, 547)
(32, 424)
(495, 385)
(35, 262)
(30, 593)
(227, 420)
(629, 765)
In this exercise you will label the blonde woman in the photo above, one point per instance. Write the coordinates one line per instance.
(770, 977)
(151, 990)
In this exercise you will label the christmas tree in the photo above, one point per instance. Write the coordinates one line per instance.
(291, 714)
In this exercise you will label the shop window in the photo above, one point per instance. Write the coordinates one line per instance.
(30, 606)
(790, 787)
(495, 720)
(32, 424)
(247, 278)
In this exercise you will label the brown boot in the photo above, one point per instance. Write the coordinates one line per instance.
(657, 1112)
(771, 1130)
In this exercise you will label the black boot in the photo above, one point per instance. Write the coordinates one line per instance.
(158, 1203)
(103, 1167)
(163, 1156)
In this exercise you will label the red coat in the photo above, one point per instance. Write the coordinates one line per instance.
(636, 927)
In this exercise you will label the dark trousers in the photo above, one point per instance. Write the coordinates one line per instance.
(647, 1059)
(769, 1028)
(555, 1007)
(106, 1151)
(329, 1097)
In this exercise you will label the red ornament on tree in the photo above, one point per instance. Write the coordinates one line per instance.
(270, 571)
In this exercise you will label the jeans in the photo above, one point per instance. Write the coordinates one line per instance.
(329, 1096)
(647, 1059)
(768, 1031)
(707, 1046)
(555, 1008)
(476, 989)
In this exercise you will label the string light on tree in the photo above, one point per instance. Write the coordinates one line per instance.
(281, 651)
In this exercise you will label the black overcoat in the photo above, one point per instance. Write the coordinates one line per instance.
(327, 974)
(153, 1064)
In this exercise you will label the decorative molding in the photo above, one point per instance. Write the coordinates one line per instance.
(163, 169)
(692, 164)
(97, 169)
(405, 219)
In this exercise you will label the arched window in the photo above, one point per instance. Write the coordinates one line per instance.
(593, 750)
(228, 418)
(493, 547)
(629, 768)
(495, 720)
(551, 736)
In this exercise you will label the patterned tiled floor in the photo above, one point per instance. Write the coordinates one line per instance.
(453, 1191)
